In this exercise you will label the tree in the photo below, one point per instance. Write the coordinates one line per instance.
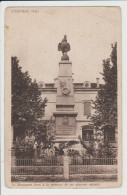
(105, 104)
(27, 104)
(46, 133)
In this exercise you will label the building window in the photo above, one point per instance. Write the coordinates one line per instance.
(87, 108)
(109, 133)
(87, 133)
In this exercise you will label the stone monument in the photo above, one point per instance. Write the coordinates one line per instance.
(65, 115)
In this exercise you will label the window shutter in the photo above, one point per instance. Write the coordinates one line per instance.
(87, 108)
(109, 133)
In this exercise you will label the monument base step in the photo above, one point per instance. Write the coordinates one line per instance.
(65, 138)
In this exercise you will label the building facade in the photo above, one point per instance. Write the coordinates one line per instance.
(84, 95)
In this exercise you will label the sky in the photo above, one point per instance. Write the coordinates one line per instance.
(33, 33)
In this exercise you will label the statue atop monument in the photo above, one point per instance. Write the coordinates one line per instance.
(64, 47)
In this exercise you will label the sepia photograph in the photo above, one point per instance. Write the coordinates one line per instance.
(63, 97)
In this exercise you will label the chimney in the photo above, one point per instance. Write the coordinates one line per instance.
(98, 82)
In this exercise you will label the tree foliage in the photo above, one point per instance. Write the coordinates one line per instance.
(105, 104)
(46, 135)
(27, 104)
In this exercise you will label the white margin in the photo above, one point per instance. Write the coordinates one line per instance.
(116, 191)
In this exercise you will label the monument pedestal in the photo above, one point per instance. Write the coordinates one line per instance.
(65, 115)
(65, 125)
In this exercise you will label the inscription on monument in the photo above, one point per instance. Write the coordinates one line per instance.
(65, 126)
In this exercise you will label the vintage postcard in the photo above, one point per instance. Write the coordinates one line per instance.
(63, 97)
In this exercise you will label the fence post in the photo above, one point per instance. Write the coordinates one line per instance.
(66, 167)
(13, 157)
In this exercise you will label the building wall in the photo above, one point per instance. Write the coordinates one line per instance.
(80, 96)
(51, 103)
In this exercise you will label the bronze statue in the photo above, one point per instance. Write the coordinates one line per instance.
(64, 47)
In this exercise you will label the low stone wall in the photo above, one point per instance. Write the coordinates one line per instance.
(59, 178)
(93, 178)
(92, 169)
(37, 178)
(58, 170)
(37, 170)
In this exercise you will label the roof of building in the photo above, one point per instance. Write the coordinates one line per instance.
(76, 85)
